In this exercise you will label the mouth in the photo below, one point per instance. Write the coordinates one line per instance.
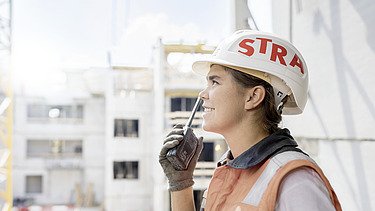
(208, 109)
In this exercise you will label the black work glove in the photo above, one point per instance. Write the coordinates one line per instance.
(178, 180)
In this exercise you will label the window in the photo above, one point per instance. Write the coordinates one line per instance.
(54, 148)
(207, 152)
(34, 184)
(37, 111)
(183, 104)
(126, 128)
(125, 170)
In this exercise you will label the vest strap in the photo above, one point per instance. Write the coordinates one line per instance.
(256, 193)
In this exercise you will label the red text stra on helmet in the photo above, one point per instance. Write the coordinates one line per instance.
(278, 52)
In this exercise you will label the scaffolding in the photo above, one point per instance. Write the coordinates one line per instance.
(6, 108)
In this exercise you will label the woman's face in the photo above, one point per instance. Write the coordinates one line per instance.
(224, 101)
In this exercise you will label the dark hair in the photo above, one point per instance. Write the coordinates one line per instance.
(268, 114)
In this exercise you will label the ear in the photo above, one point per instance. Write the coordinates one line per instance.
(254, 97)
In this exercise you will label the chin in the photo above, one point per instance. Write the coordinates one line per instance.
(205, 127)
(209, 128)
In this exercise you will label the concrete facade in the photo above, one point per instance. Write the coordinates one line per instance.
(48, 175)
(127, 103)
(67, 167)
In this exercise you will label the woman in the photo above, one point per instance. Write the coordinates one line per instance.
(253, 78)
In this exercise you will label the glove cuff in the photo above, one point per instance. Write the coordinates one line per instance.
(180, 185)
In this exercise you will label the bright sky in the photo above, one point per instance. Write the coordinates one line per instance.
(51, 35)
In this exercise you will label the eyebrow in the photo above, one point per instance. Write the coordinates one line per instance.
(212, 77)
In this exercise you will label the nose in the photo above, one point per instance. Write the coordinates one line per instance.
(203, 94)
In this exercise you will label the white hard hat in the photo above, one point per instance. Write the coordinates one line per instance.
(268, 57)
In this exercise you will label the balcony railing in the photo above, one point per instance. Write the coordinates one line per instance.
(64, 163)
(204, 169)
(181, 117)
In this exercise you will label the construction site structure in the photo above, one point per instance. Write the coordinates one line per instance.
(59, 158)
(6, 107)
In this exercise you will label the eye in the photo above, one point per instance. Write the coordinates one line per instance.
(214, 82)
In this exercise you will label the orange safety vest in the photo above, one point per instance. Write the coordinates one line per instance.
(257, 188)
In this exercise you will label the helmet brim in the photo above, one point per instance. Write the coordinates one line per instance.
(202, 67)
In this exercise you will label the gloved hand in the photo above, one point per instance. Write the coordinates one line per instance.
(178, 180)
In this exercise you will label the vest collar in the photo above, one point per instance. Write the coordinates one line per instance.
(260, 151)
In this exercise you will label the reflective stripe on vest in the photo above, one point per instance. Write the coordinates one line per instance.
(203, 204)
(256, 193)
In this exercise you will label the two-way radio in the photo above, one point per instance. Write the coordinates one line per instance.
(181, 155)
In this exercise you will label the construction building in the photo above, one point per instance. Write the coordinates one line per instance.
(90, 146)
(59, 158)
